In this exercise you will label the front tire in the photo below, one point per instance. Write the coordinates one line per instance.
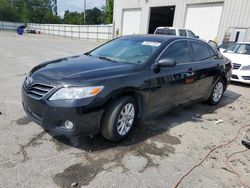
(217, 93)
(119, 119)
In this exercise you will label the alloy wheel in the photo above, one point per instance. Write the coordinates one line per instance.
(125, 119)
(218, 91)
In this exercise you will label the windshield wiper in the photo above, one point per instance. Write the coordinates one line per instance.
(106, 58)
(88, 54)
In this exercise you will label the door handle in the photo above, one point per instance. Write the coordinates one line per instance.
(190, 69)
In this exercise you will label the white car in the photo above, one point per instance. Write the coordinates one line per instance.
(225, 46)
(175, 31)
(239, 54)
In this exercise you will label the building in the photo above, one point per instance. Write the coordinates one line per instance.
(210, 19)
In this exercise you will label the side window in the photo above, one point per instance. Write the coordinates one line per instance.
(213, 54)
(165, 31)
(179, 51)
(201, 51)
(191, 34)
(183, 32)
(232, 48)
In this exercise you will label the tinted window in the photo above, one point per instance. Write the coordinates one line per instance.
(179, 51)
(183, 32)
(201, 51)
(232, 48)
(226, 45)
(243, 49)
(127, 50)
(165, 31)
(239, 49)
(191, 34)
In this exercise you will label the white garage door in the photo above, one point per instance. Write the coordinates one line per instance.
(204, 20)
(131, 21)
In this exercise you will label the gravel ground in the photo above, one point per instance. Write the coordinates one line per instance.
(156, 154)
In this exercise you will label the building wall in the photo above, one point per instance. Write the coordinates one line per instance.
(236, 13)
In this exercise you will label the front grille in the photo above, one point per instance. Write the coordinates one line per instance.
(246, 77)
(235, 77)
(37, 91)
(236, 66)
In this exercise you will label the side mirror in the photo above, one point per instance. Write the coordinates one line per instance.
(197, 36)
(213, 44)
(166, 63)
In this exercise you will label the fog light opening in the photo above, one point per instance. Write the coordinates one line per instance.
(69, 125)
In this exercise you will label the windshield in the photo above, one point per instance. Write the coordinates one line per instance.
(127, 50)
(239, 49)
(166, 31)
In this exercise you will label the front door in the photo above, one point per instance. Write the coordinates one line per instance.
(172, 85)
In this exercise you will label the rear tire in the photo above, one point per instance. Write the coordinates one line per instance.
(217, 93)
(119, 119)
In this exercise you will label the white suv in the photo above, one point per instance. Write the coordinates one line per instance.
(175, 31)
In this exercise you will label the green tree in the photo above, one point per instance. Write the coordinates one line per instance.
(108, 12)
(93, 16)
(25, 13)
(7, 12)
(49, 17)
(73, 18)
(37, 11)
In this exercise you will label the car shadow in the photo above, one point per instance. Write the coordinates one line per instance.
(240, 84)
(152, 128)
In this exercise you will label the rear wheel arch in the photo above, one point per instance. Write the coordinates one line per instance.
(223, 77)
(211, 99)
(225, 82)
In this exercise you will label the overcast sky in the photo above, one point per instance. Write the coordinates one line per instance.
(77, 5)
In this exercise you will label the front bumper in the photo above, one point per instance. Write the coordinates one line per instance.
(51, 117)
(241, 76)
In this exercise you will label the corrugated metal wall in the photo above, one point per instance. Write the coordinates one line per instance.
(236, 13)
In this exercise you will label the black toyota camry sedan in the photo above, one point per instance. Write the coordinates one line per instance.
(124, 81)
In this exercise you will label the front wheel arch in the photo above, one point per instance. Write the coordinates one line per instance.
(140, 99)
(110, 117)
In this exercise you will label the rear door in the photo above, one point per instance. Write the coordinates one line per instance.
(172, 85)
(207, 68)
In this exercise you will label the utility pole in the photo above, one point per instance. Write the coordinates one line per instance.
(85, 12)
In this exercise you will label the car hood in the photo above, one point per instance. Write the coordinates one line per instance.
(238, 58)
(82, 67)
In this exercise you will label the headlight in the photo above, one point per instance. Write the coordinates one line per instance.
(246, 67)
(76, 92)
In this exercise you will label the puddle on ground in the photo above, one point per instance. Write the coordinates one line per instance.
(23, 121)
(82, 175)
(77, 173)
(98, 151)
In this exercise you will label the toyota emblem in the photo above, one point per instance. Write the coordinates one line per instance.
(29, 81)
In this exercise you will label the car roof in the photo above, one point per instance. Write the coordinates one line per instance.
(159, 38)
(166, 27)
